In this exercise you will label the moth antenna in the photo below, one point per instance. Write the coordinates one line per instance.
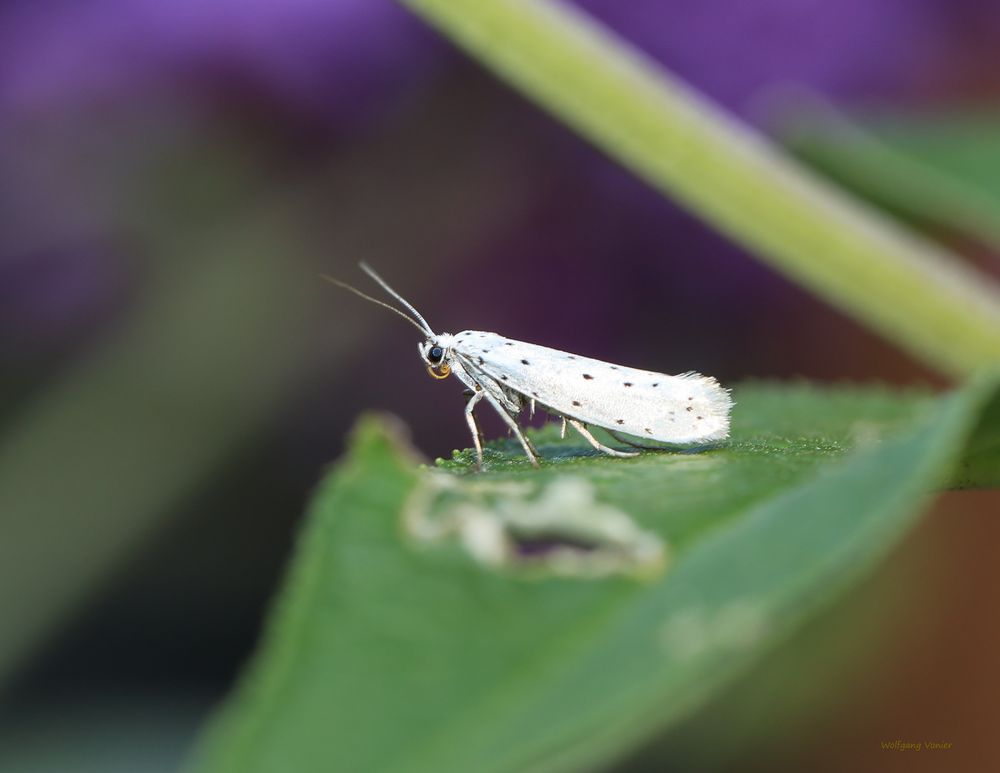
(385, 286)
(422, 328)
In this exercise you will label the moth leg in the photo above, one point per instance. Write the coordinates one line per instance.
(470, 419)
(479, 432)
(526, 444)
(579, 427)
(562, 429)
(632, 443)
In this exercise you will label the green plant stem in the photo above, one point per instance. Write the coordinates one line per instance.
(911, 291)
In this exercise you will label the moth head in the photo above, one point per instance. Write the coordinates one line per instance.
(436, 353)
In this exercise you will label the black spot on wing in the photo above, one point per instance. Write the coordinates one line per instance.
(525, 362)
(588, 377)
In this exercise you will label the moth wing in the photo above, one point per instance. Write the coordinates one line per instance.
(687, 408)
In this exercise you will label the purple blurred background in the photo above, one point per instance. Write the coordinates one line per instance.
(176, 175)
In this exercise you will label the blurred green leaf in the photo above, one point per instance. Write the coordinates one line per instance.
(99, 458)
(426, 626)
(943, 170)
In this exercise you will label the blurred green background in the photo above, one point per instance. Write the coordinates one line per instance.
(175, 377)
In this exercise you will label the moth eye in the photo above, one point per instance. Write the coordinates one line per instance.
(435, 354)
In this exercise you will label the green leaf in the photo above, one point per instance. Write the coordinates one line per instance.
(914, 293)
(553, 619)
(133, 428)
(942, 170)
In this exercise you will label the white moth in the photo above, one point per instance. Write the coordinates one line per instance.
(509, 375)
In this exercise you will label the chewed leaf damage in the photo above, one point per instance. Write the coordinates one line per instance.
(695, 631)
(559, 529)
